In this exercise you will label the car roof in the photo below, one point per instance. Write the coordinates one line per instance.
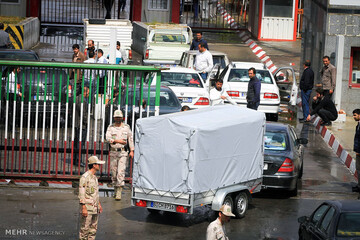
(346, 205)
(215, 53)
(20, 51)
(276, 127)
(180, 69)
(256, 65)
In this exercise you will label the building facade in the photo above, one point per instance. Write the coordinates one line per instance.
(332, 28)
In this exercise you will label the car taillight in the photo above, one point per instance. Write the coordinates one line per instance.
(130, 54)
(202, 101)
(271, 95)
(233, 93)
(287, 166)
(147, 54)
(181, 209)
(140, 203)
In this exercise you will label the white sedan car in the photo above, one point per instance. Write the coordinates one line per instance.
(186, 84)
(236, 79)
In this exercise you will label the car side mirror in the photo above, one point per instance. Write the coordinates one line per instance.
(302, 141)
(303, 219)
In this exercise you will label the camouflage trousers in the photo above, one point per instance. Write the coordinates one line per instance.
(88, 226)
(117, 167)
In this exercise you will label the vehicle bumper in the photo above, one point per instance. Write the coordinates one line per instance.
(266, 108)
(159, 62)
(279, 182)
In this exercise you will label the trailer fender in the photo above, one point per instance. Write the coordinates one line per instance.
(223, 192)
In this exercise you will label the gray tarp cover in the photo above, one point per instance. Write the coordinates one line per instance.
(199, 150)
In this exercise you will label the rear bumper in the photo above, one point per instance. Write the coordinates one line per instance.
(156, 62)
(279, 182)
(266, 108)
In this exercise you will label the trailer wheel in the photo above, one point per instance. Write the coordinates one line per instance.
(228, 201)
(241, 204)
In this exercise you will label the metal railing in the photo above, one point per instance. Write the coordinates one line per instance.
(53, 116)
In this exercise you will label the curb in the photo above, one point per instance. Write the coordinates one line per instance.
(338, 149)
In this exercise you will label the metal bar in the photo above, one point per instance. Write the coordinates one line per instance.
(157, 96)
(21, 117)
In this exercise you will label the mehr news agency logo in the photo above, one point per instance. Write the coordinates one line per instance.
(26, 232)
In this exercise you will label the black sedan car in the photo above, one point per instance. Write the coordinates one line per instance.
(332, 220)
(283, 160)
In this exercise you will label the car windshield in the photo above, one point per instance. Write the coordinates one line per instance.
(241, 75)
(160, 37)
(167, 98)
(181, 79)
(275, 141)
(18, 56)
(349, 225)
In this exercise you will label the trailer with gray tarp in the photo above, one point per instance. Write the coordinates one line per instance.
(210, 156)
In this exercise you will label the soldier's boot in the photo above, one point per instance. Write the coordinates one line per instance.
(118, 194)
(115, 191)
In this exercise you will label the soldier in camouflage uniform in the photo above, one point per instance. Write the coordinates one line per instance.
(90, 205)
(118, 135)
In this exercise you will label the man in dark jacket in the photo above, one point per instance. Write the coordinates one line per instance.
(198, 39)
(253, 92)
(324, 107)
(306, 85)
(356, 115)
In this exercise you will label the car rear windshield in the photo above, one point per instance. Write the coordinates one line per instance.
(349, 225)
(167, 98)
(181, 79)
(275, 141)
(241, 75)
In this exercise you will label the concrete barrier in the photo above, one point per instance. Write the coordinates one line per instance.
(25, 34)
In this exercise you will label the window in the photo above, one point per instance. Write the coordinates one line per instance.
(324, 226)
(181, 79)
(319, 213)
(275, 141)
(349, 225)
(158, 5)
(354, 79)
(9, 1)
(278, 8)
(241, 75)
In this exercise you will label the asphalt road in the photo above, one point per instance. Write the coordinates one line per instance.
(53, 213)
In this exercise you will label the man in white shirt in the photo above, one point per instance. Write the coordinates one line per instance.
(101, 60)
(203, 61)
(218, 95)
(90, 73)
(216, 229)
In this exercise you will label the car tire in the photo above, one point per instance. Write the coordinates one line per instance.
(241, 204)
(274, 117)
(301, 171)
(294, 192)
(229, 201)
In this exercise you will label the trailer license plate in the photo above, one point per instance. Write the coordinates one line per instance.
(163, 206)
(266, 166)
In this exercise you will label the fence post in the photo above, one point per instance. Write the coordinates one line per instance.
(157, 96)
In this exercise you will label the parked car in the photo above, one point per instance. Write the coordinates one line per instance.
(283, 160)
(188, 59)
(332, 220)
(168, 101)
(187, 85)
(236, 79)
(18, 54)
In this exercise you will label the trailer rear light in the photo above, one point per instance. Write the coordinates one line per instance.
(233, 93)
(181, 209)
(147, 54)
(203, 101)
(130, 54)
(271, 95)
(140, 203)
(287, 166)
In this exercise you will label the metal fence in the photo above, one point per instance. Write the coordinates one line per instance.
(74, 11)
(204, 13)
(53, 116)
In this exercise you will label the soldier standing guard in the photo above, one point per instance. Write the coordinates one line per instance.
(118, 135)
(90, 205)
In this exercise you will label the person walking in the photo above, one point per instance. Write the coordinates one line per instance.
(102, 73)
(203, 61)
(253, 92)
(108, 5)
(4, 38)
(90, 206)
(218, 95)
(119, 135)
(328, 77)
(78, 57)
(356, 116)
(197, 40)
(306, 85)
(324, 107)
(216, 229)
